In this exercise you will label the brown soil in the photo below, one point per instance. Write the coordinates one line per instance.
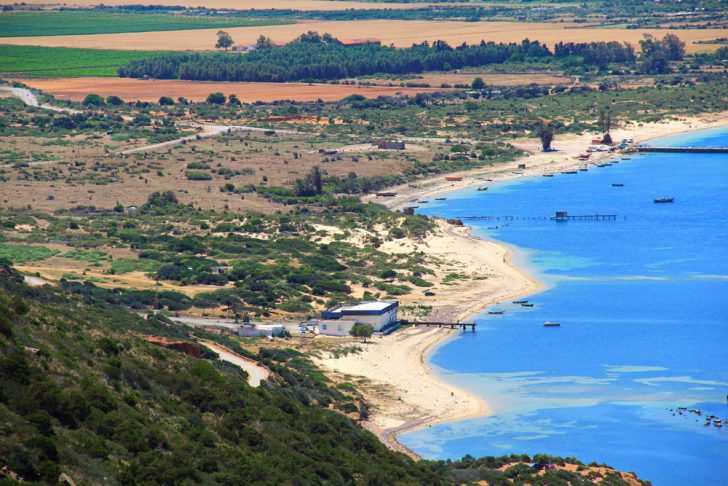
(136, 89)
(401, 33)
(260, 159)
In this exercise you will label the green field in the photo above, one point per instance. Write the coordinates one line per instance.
(24, 24)
(34, 61)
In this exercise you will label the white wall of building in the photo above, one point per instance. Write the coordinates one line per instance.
(338, 327)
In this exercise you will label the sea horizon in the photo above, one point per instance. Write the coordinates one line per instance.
(608, 384)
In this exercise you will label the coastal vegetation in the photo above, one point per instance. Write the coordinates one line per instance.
(90, 393)
(268, 212)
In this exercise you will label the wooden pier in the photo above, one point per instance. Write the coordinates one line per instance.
(452, 325)
(564, 216)
(685, 150)
(558, 216)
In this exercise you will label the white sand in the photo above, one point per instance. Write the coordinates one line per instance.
(404, 391)
(568, 147)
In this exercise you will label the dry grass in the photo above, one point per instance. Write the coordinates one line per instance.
(401, 33)
(136, 89)
(261, 160)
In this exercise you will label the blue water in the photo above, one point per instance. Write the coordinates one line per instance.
(643, 307)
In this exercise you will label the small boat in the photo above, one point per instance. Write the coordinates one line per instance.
(482, 188)
(603, 165)
(551, 324)
(569, 172)
(617, 184)
(548, 175)
(527, 305)
(584, 169)
(440, 199)
(424, 201)
(520, 301)
(626, 158)
(663, 200)
(496, 312)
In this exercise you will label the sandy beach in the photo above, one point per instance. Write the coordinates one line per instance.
(405, 393)
(567, 148)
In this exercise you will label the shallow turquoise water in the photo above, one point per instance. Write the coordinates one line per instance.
(643, 307)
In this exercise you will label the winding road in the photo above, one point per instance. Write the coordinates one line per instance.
(206, 130)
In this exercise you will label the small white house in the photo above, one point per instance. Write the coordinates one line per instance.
(379, 315)
(260, 330)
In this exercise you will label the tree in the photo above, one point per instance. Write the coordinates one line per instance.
(114, 100)
(166, 101)
(93, 100)
(364, 331)
(311, 185)
(478, 84)
(605, 124)
(224, 40)
(216, 98)
(546, 134)
(263, 42)
(674, 48)
(233, 100)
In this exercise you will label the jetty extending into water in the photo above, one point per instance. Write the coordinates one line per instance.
(452, 325)
(685, 150)
(558, 216)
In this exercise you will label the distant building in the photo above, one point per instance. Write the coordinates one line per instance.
(361, 42)
(132, 211)
(260, 330)
(380, 315)
(390, 145)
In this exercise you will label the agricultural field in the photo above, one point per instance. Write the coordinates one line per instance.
(232, 4)
(400, 33)
(248, 92)
(90, 22)
(24, 61)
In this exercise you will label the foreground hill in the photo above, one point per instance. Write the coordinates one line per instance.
(84, 396)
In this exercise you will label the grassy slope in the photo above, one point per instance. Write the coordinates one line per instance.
(82, 393)
(90, 22)
(104, 406)
(38, 61)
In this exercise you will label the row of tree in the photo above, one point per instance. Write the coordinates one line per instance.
(315, 56)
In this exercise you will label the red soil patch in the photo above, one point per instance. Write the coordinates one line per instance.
(136, 89)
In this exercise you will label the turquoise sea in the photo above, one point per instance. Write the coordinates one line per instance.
(643, 307)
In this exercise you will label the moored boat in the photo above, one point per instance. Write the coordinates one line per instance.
(663, 200)
(551, 324)
(617, 184)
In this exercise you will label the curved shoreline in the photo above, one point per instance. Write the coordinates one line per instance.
(537, 164)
